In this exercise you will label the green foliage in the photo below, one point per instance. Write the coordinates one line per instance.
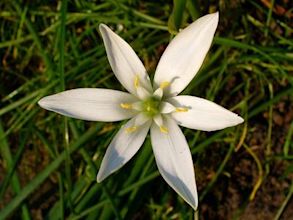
(176, 16)
(48, 163)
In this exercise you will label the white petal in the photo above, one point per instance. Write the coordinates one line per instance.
(124, 62)
(166, 108)
(141, 119)
(174, 160)
(185, 54)
(142, 93)
(158, 119)
(203, 114)
(90, 104)
(158, 93)
(137, 106)
(122, 148)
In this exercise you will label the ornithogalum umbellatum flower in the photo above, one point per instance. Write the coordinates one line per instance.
(156, 107)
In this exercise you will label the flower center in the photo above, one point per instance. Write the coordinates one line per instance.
(151, 106)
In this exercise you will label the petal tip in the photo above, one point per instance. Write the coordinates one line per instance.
(240, 120)
(40, 102)
(194, 203)
(215, 16)
(102, 25)
(48, 102)
(236, 120)
(43, 103)
(194, 207)
(100, 177)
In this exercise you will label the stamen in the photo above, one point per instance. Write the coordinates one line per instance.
(131, 129)
(136, 81)
(164, 84)
(181, 110)
(163, 129)
(126, 105)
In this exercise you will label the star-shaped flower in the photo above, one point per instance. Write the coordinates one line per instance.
(156, 107)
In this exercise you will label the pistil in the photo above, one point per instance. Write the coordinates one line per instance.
(151, 106)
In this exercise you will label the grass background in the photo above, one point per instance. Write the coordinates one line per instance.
(48, 163)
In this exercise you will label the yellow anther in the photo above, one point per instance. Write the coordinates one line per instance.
(164, 84)
(181, 110)
(163, 129)
(131, 129)
(136, 81)
(126, 105)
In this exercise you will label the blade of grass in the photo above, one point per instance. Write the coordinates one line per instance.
(241, 45)
(137, 13)
(260, 172)
(61, 40)
(13, 164)
(193, 8)
(269, 17)
(284, 204)
(218, 172)
(288, 141)
(6, 153)
(43, 175)
(122, 192)
(36, 38)
(176, 17)
(267, 104)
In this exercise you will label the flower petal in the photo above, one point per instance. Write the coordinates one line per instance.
(125, 64)
(166, 108)
(90, 104)
(122, 148)
(185, 54)
(174, 160)
(203, 114)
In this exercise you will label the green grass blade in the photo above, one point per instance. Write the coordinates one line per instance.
(176, 16)
(27, 190)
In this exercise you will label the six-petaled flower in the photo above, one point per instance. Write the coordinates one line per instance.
(156, 107)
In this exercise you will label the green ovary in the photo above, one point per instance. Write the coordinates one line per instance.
(151, 106)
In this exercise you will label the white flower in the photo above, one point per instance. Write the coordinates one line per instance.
(156, 108)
